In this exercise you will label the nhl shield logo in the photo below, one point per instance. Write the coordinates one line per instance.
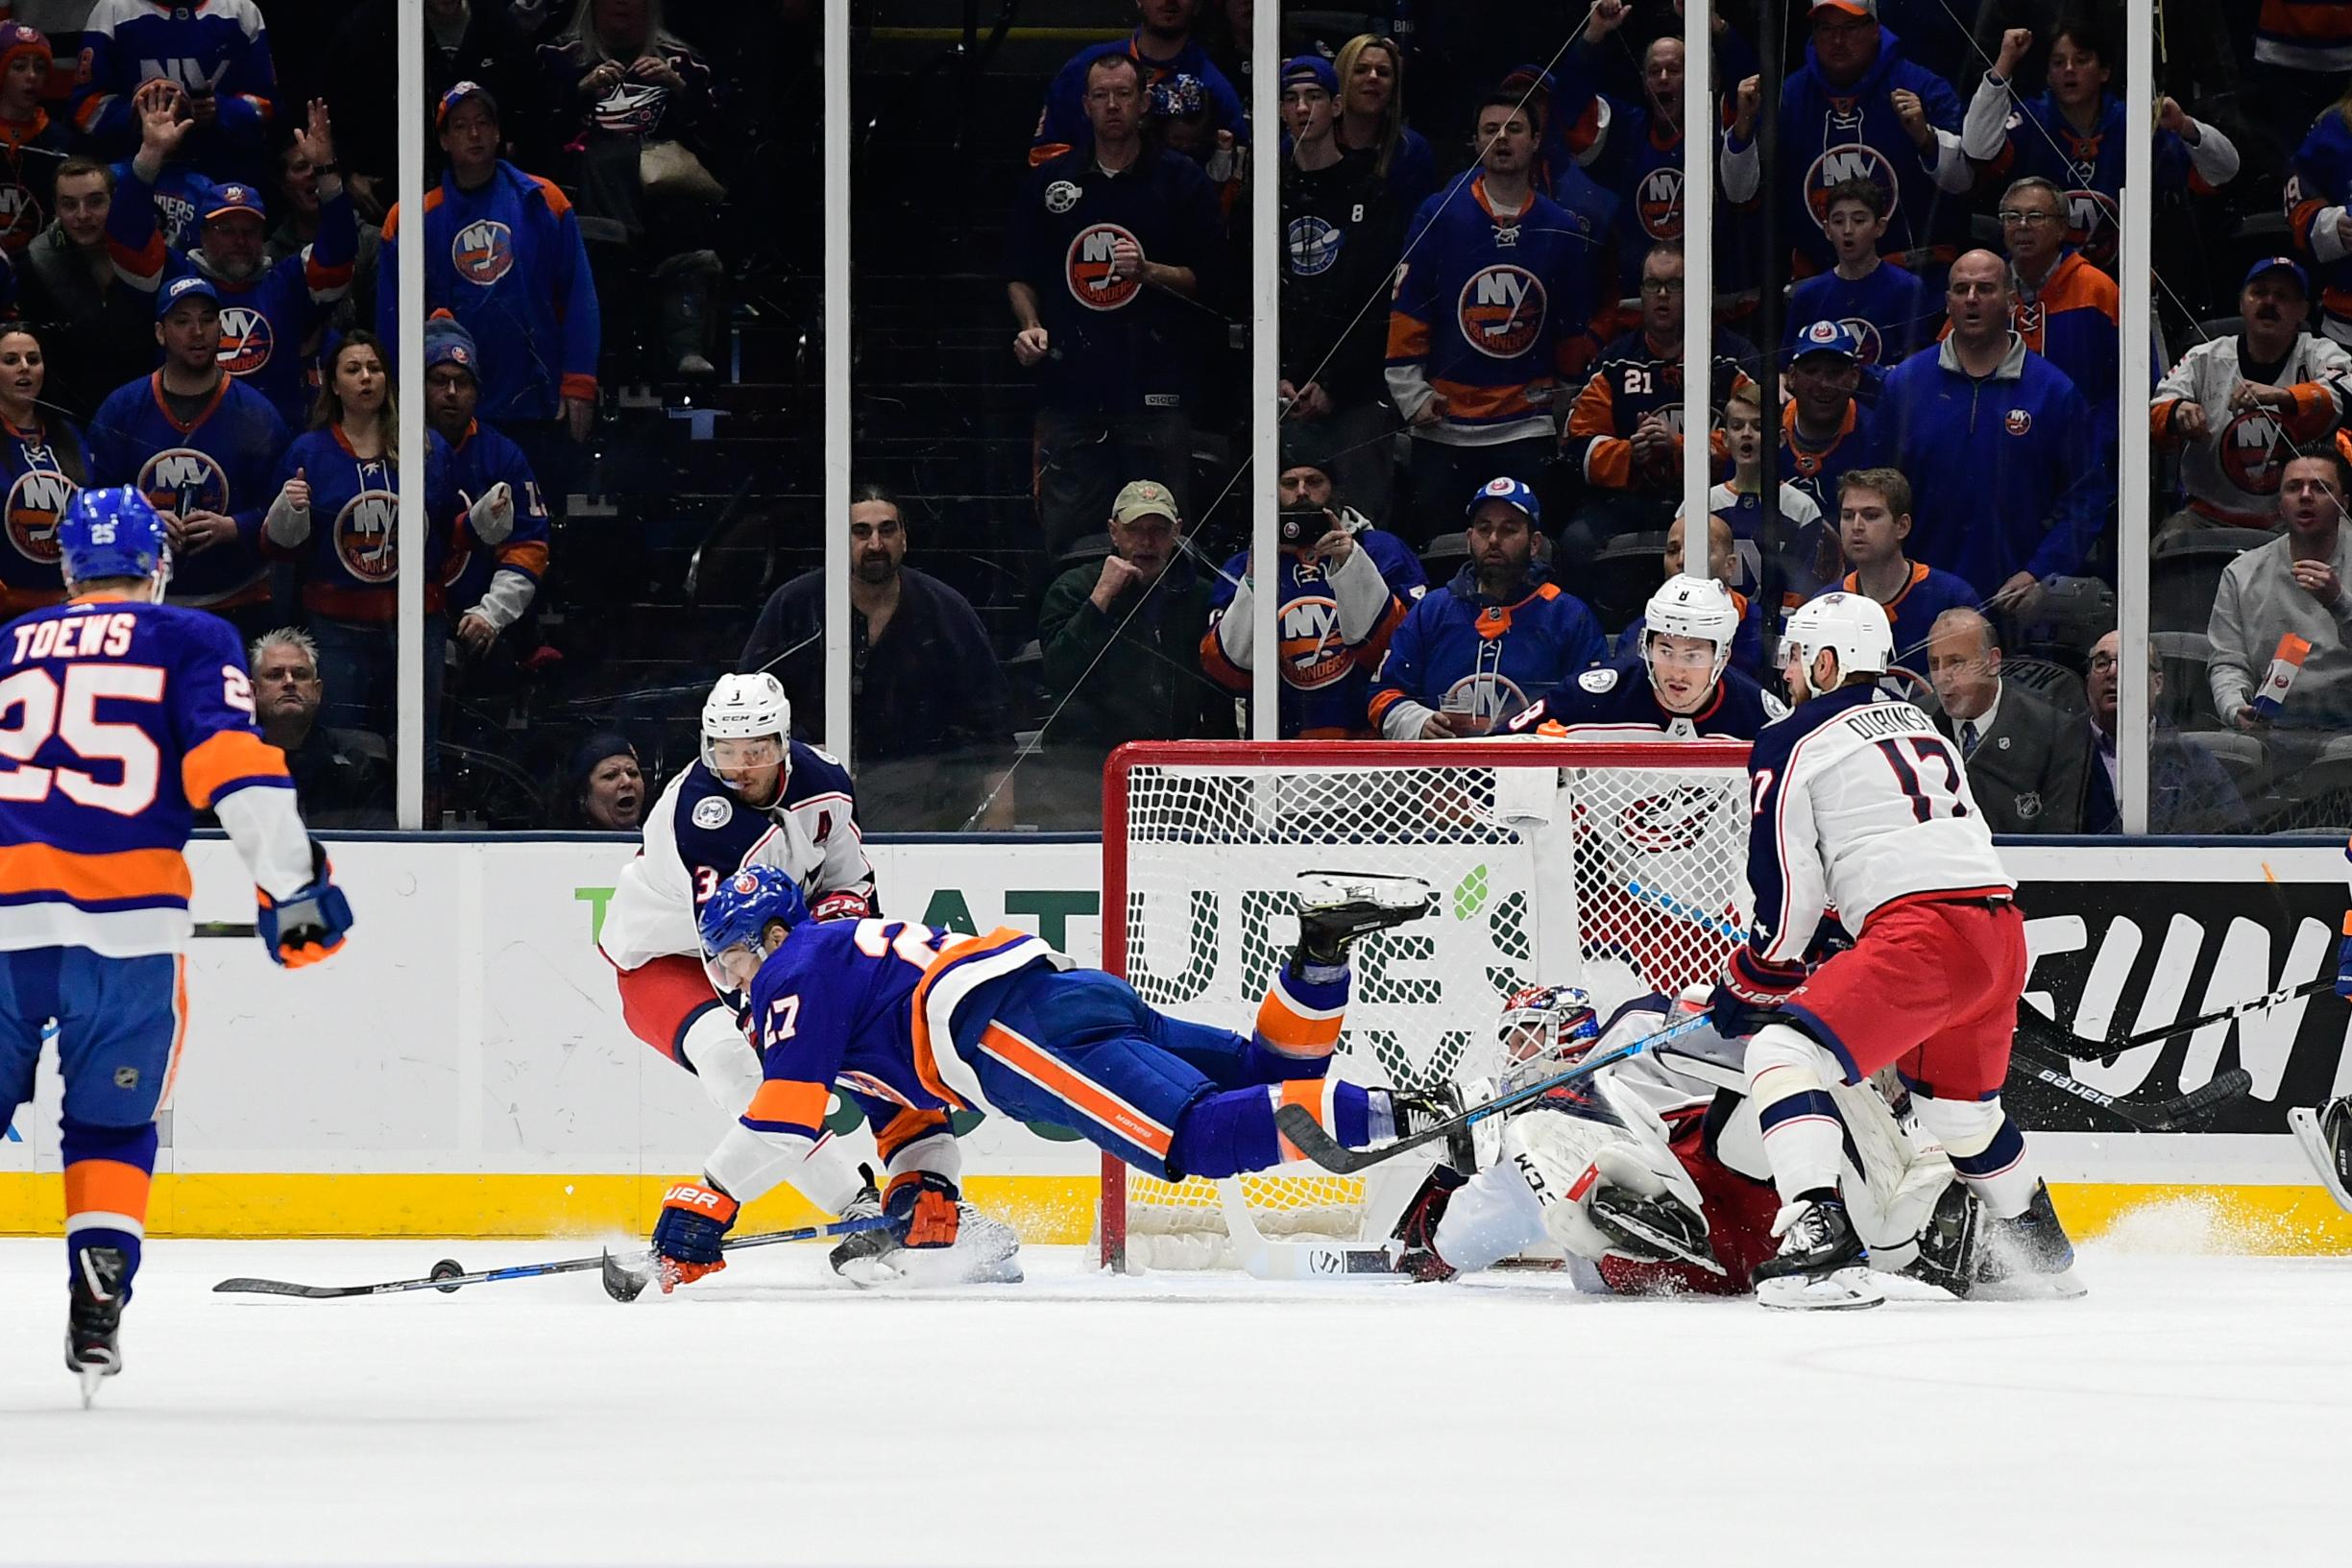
(2018, 422)
(1061, 197)
(483, 253)
(1087, 267)
(245, 340)
(1501, 311)
(2028, 805)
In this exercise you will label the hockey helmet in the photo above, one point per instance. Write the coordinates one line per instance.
(1849, 626)
(1546, 1021)
(747, 708)
(1693, 607)
(113, 533)
(739, 910)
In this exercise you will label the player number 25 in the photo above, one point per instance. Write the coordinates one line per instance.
(33, 709)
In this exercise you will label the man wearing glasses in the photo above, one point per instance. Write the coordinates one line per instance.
(2064, 308)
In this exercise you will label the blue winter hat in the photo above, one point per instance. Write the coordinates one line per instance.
(1310, 70)
(1511, 492)
(446, 341)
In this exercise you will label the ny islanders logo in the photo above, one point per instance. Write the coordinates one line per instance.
(2252, 451)
(182, 479)
(1314, 246)
(1658, 202)
(1866, 337)
(20, 216)
(1087, 266)
(1501, 311)
(36, 500)
(1487, 696)
(245, 340)
(1851, 161)
(365, 540)
(1314, 653)
(483, 252)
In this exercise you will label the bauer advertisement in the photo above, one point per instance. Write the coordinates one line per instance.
(462, 1067)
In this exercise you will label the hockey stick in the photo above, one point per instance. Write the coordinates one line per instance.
(438, 1281)
(2167, 1116)
(224, 928)
(2106, 1050)
(1298, 1123)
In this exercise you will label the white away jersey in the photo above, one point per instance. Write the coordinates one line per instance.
(700, 832)
(1857, 801)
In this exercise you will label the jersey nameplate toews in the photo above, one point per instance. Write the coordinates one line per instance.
(1597, 680)
(712, 811)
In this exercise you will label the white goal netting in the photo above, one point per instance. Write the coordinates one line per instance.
(1617, 866)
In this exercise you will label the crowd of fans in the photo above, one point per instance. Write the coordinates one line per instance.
(1484, 328)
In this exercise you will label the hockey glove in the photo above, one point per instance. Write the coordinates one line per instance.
(1750, 993)
(1417, 1228)
(841, 907)
(923, 1207)
(2343, 960)
(694, 1219)
(308, 925)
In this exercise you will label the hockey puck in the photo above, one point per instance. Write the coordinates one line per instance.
(447, 1269)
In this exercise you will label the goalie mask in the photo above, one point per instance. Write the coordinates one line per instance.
(1549, 1023)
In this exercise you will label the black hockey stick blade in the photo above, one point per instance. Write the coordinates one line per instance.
(2050, 1034)
(2166, 1115)
(223, 928)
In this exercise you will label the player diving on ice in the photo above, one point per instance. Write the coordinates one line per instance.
(912, 1022)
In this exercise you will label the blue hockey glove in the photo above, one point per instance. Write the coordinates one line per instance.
(2343, 961)
(923, 1207)
(1750, 993)
(685, 1239)
(308, 925)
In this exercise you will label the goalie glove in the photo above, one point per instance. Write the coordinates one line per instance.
(694, 1221)
(844, 905)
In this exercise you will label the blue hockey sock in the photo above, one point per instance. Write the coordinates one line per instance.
(106, 1175)
(1226, 1134)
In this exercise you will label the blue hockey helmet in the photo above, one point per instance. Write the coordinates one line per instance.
(740, 909)
(112, 533)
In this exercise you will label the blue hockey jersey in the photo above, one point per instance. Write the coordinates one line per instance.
(225, 461)
(484, 458)
(2089, 168)
(1616, 702)
(2318, 190)
(351, 558)
(1910, 612)
(1815, 469)
(1189, 76)
(1334, 628)
(213, 48)
(158, 724)
(1888, 310)
(45, 467)
(1461, 650)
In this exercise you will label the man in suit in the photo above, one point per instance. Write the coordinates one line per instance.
(2187, 790)
(2025, 762)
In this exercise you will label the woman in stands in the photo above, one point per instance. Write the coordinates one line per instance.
(1371, 73)
(44, 461)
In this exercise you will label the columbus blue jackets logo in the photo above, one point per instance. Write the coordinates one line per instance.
(1658, 202)
(1852, 162)
(483, 252)
(182, 479)
(1501, 311)
(245, 340)
(1087, 267)
(1314, 653)
(633, 108)
(2250, 448)
(36, 500)
(1315, 246)
(20, 216)
(366, 539)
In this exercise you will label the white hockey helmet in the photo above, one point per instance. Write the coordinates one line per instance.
(1849, 626)
(747, 708)
(1692, 607)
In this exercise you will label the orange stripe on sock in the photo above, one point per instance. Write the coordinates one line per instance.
(1315, 1094)
(105, 1186)
(1283, 1026)
(1100, 1103)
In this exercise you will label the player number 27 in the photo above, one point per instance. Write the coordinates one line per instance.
(32, 708)
(1929, 798)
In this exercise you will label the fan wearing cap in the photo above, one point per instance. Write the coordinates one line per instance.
(203, 447)
(502, 253)
(1825, 430)
(31, 145)
(266, 311)
(2237, 408)
(220, 46)
(500, 553)
(1473, 653)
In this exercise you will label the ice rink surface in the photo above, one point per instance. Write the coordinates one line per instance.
(2192, 1409)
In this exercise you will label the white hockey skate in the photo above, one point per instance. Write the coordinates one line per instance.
(2326, 1136)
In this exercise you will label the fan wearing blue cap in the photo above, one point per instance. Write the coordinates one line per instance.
(1472, 653)
(130, 716)
(266, 311)
(2237, 408)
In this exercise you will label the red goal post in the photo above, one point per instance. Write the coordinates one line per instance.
(1616, 864)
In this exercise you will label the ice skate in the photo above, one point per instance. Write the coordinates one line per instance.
(1948, 1242)
(93, 1320)
(1822, 1265)
(2326, 1137)
(2029, 1258)
(1337, 911)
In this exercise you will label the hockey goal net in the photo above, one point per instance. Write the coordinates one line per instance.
(1620, 866)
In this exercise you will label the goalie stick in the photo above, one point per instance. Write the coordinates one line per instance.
(1298, 1123)
(438, 1281)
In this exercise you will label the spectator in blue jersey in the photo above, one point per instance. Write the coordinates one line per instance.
(1888, 310)
(501, 251)
(1344, 585)
(2064, 308)
(1168, 62)
(2319, 213)
(1807, 554)
(632, 96)
(492, 580)
(2187, 790)
(1722, 565)
(1473, 653)
(203, 447)
(217, 52)
(1825, 430)
(2072, 134)
(1874, 519)
(1859, 110)
(1493, 315)
(465, 40)
(342, 778)
(31, 145)
(930, 721)
(267, 312)
(1105, 247)
(44, 463)
(69, 290)
(1995, 440)
(1372, 119)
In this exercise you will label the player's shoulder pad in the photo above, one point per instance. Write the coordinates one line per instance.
(814, 772)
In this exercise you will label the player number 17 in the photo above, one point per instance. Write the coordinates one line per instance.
(1928, 797)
